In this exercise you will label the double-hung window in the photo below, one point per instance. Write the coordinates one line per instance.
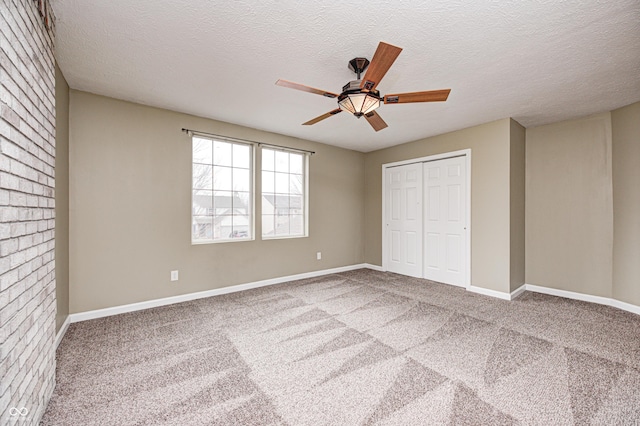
(284, 194)
(223, 193)
(222, 190)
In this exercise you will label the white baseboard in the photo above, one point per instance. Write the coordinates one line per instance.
(518, 291)
(625, 306)
(62, 331)
(555, 292)
(488, 292)
(568, 294)
(373, 267)
(584, 297)
(100, 313)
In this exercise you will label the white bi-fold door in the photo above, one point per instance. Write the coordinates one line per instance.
(404, 219)
(445, 220)
(426, 231)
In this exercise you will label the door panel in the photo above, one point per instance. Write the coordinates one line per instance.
(395, 176)
(395, 204)
(395, 246)
(412, 204)
(433, 173)
(433, 204)
(445, 221)
(453, 197)
(453, 253)
(412, 175)
(412, 248)
(404, 215)
(431, 252)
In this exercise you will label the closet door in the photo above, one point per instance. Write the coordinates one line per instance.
(445, 215)
(403, 227)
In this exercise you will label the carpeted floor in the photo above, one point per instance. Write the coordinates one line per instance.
(356, 348)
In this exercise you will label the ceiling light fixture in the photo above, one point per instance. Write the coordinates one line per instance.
(354, 99)
(360, 96)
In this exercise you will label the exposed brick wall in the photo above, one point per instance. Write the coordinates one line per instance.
(27, 161)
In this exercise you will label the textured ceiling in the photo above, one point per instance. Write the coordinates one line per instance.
(536, 61)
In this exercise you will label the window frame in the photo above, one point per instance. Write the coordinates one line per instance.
(305, 188)
(252, 190)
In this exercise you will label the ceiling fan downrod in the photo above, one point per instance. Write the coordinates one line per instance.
(358, 65)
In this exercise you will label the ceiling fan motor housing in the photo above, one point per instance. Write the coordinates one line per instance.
(351, 86)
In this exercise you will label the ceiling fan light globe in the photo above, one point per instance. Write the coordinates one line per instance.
(359, 103)
(346, 105)
(358, 99)
(370, 104)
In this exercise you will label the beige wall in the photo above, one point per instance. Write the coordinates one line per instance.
(517, 204)
(490, 212)
(626, 203)
(550, 223)
(62, 199)
(569, 213)
(130, 177)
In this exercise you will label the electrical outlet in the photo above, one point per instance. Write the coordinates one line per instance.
(174, 275)
(319, 255)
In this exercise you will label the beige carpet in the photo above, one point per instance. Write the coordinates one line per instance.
(356, 348)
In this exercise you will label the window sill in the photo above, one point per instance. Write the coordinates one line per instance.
(284, 237)
(228, 240)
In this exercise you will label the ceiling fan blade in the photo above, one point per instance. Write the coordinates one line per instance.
(375, 120)
(382, 60)
(322, 117)
(428, 96)
(292, 85)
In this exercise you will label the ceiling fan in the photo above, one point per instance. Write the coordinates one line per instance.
(360, 96)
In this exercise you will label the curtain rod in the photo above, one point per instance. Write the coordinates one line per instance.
(197, 132)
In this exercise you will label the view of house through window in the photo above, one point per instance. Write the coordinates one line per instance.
(283, 194)
(222, 191)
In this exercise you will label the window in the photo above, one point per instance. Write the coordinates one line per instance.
(284, 194)
(222, 197)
